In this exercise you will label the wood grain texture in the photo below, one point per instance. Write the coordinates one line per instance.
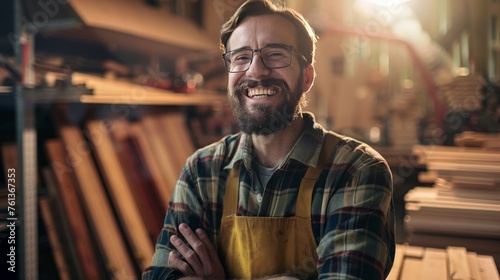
(149, 203)
(117, 259)
(474, 266)
(162, 187)
(488, 269)
(54, 239)
(434, 264)
(176, 129)
(458, 263)
(120, 192)
(67, 193)
(163, 153)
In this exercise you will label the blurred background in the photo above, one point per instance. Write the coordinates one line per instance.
(130, 88)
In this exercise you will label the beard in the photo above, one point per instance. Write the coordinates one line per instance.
(264, 119)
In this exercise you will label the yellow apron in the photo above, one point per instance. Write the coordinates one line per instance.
(254, 247)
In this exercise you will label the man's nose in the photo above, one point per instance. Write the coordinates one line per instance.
(257, 67)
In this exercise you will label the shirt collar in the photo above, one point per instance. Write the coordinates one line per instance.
(306, 150)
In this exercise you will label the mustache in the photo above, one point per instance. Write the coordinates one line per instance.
(267, 82)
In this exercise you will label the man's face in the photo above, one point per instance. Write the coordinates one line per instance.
(265, 100)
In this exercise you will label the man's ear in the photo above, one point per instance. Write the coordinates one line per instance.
(309, 75)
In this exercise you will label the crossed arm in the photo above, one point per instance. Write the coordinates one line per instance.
(199, 260)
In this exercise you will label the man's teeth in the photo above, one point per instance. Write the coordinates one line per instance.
(259, 93)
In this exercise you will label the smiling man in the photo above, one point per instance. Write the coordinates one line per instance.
(283, 198)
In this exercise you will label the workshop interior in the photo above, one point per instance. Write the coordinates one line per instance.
(102, 102)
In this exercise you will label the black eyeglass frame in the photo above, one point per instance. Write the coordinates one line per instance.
(290, 48)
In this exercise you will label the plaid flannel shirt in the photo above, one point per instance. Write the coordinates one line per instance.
(352, 207)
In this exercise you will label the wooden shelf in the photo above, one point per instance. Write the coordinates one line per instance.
(177, 99)
(131, 25)
(98, 90)
(83, 95)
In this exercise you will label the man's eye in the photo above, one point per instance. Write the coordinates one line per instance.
(241, 58)
(275, 55)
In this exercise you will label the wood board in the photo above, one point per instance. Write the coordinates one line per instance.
(54, 239)
(452, 263)
(149, 205)
(163, 154)
(120, 192)
(114, 250)
(162, 187)
(68, 195)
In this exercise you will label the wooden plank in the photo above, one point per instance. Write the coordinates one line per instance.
(434, 264)
(60, 217)
(113, 91)
(164, 190)
(54, 239)
(430, 195)
(475, 139)
(133, 154)
(458, 263)
(451, 154)
(488, 268)
(120, 192)
(415, 252)
(163, 153)
(149, 204)
(412, 268)
(175, 123)
(475, 244)
(169, 133)
(398, 262)
(474, 266)
(114, 250)
(67, 194)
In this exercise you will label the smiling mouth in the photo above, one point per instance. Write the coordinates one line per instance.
(263, 92)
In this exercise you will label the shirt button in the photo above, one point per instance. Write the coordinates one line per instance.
(259, 198)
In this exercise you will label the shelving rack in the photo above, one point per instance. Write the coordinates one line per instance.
(26, 101)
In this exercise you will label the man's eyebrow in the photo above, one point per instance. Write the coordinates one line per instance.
(280, 45)
(242, 48)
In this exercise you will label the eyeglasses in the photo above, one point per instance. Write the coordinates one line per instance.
(273, 57)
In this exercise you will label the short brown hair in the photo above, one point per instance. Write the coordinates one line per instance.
(306, 38)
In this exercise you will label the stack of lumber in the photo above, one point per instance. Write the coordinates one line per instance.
(446, 212)
(109, 182)
(123, 91)
(463, 94)
(454, 263)
(462, 208)
(475, 139)
(464, 167)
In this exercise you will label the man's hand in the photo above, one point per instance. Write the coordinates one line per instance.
(200, 261)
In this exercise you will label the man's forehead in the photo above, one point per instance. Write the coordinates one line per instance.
(262, 29)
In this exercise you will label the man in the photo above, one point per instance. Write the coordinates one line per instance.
(284, 198)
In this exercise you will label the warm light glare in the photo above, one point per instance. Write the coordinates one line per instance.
(408, 84)
(387, 3)
(375, 134)
(463, 71)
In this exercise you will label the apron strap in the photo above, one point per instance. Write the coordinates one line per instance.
(304, 198)
(230, 206)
